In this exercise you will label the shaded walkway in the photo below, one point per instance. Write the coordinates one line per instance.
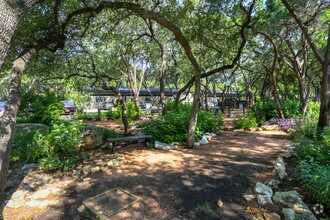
(181, 184)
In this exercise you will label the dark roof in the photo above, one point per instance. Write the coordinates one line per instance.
(98, 91)
(128, 91)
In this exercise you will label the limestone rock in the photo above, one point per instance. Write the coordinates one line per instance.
(203, 140)
(219, 203)
(211, 134)
(263, 189)
(252, 129)
(270, 127)
(43, 180)
(248, 197)
(292, 200)
(16, 203)
(41, 194)
(91, 138)
(57, 191)
(163, 146)
(289, 214)
(81, 209)
(196, 144)
(29, 166)
(41, 203)
(264, 199)
(18, 194)
(207, 136)
(279, 168)
(272, 216)
(288, 153)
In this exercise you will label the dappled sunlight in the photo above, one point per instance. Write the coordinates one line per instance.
(174, 182)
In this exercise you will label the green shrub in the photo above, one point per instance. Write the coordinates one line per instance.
(306, 128)
(170, 105)
(132, 113)
(246, 122)
(24, 148)
(106, 133)
(313, 110)
(313, 153)
(34, 104)
(53, 113)
(90, 116)
(265, 111)
(316, 178)
(57, 149)
(173, 127)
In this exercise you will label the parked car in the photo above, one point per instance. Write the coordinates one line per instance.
(69, 107)
(2, 108)
(107, 105)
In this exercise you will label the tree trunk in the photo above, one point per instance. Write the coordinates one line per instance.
(194, 112)
(123, 109)
(324, 119)
(7, 131)
(10, 14)
(272, 73)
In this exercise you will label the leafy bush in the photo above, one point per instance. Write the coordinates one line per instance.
(90, 117)
(313, 153)
(106, 133)
(24, 148)
(173, 127)
(246, 122)
(316, 178)
(58, 149)
(52, 113)
(170, 105)
(265, 111)
(313, 110)
(306, 128)
(133, 114)
(34, 104)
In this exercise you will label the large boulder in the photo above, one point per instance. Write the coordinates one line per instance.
(91, 138)
(292, 200)
(31, 127)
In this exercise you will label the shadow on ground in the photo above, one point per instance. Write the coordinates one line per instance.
(180, 184)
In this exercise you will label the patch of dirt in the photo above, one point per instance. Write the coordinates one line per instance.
(177, 184)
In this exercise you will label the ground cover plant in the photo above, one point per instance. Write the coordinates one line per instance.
(313, 155)
(173, 126)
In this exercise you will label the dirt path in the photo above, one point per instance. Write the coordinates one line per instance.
(183, 184)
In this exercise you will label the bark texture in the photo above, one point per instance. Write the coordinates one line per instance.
(9, 116)
(272, 73)
(11, 11)
(324, 119)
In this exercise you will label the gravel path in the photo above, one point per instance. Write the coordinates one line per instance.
(178, 184)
